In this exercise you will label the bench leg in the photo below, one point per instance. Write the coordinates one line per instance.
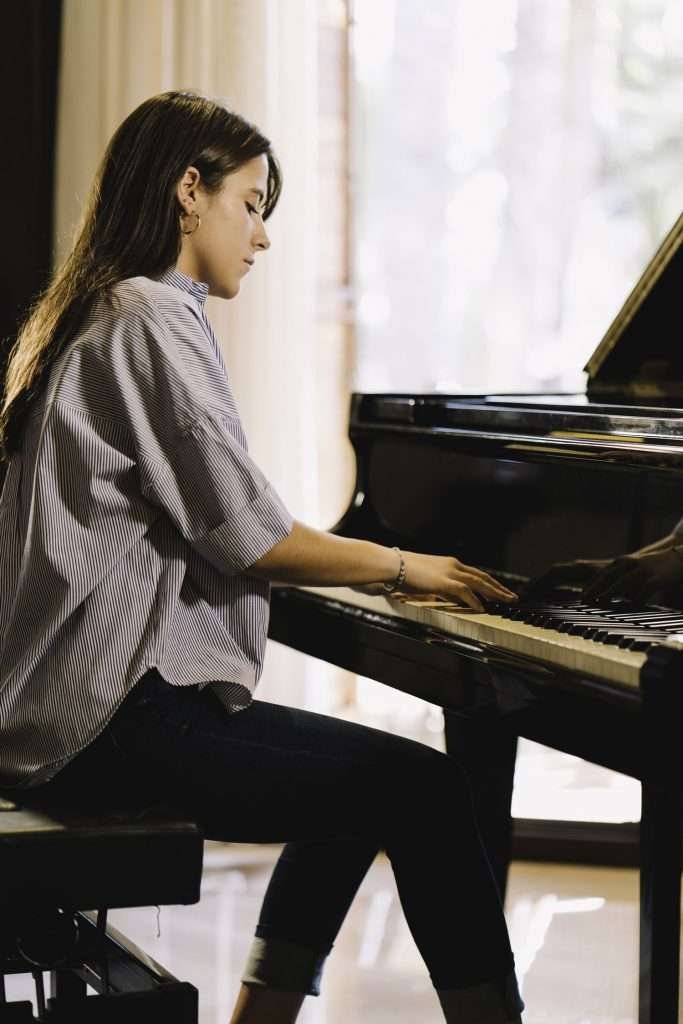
(67, 985)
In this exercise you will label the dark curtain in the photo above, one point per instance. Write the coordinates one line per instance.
(28, 86)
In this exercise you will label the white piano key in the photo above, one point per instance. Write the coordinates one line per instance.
(613, 664)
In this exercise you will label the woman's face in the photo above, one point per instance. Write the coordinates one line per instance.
(231, 232)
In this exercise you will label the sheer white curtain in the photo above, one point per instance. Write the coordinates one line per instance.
(260, 56)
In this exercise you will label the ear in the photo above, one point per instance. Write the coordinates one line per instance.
(187, 188)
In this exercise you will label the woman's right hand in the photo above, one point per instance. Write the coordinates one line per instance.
(447, 577)
(308, 557)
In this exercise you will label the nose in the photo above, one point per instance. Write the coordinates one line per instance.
(261, 239)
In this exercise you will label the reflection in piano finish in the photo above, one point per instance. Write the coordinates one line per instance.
(513, 484)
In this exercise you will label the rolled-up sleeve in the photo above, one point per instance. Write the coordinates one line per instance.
(218, 498)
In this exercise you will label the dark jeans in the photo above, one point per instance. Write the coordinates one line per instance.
(334, 792)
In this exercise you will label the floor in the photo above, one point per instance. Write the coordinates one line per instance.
(574, 931)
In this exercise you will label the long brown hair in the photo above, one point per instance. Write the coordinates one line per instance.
(131, 226)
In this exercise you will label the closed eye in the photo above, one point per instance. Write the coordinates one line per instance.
(252, 209)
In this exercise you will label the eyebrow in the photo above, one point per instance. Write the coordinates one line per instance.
(257, 192)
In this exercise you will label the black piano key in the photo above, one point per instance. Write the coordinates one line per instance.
(520, 614)
(637, 645)
(584, 629)
(612, 637)
(541, 619)
(628, 627)
(650, 617)
(584, 626)
(672, 624)
(591, 634)
(641, 643)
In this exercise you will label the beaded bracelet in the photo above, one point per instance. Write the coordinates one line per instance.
(400, 579)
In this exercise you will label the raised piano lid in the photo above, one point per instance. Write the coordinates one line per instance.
(640, 358)
(558, 417)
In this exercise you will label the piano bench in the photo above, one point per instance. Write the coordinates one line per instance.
(60, 872)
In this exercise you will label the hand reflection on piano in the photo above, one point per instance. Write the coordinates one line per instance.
(651, 574)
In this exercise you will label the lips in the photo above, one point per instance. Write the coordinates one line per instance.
(250, 262)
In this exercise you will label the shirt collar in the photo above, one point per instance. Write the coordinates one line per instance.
(174, 277)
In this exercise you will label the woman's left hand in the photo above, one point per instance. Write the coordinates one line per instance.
(638, 577)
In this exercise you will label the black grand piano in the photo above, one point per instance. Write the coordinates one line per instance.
(513, 484)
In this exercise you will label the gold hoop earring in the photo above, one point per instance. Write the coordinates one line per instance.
(192, 230)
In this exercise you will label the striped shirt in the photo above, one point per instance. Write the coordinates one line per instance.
(127, 521)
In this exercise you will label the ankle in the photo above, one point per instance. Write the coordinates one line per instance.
(491, 1002)
(256, 1005)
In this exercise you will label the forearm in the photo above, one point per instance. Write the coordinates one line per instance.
(310, 557)
(663, 544)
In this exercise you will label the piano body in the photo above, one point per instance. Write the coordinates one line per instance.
(513, 484)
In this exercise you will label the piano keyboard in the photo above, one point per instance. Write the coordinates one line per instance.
(608, 644)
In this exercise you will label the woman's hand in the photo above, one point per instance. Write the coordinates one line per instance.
(639, 576)
(318, 558)
(374, 589)
(577, 574)
(447, 577)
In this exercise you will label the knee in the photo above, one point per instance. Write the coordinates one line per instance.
(421, 788)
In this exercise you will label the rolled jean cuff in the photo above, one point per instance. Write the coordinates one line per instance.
(286, 966)
(493, 1001)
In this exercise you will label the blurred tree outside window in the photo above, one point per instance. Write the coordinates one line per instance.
(515, 164)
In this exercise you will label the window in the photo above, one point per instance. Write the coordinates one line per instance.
(515, 165)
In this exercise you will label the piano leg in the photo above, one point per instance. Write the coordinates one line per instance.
(660, 901)
(487, 749)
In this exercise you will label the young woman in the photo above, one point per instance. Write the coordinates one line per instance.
(137, 542)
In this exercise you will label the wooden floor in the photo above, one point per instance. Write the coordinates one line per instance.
(574, 931)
